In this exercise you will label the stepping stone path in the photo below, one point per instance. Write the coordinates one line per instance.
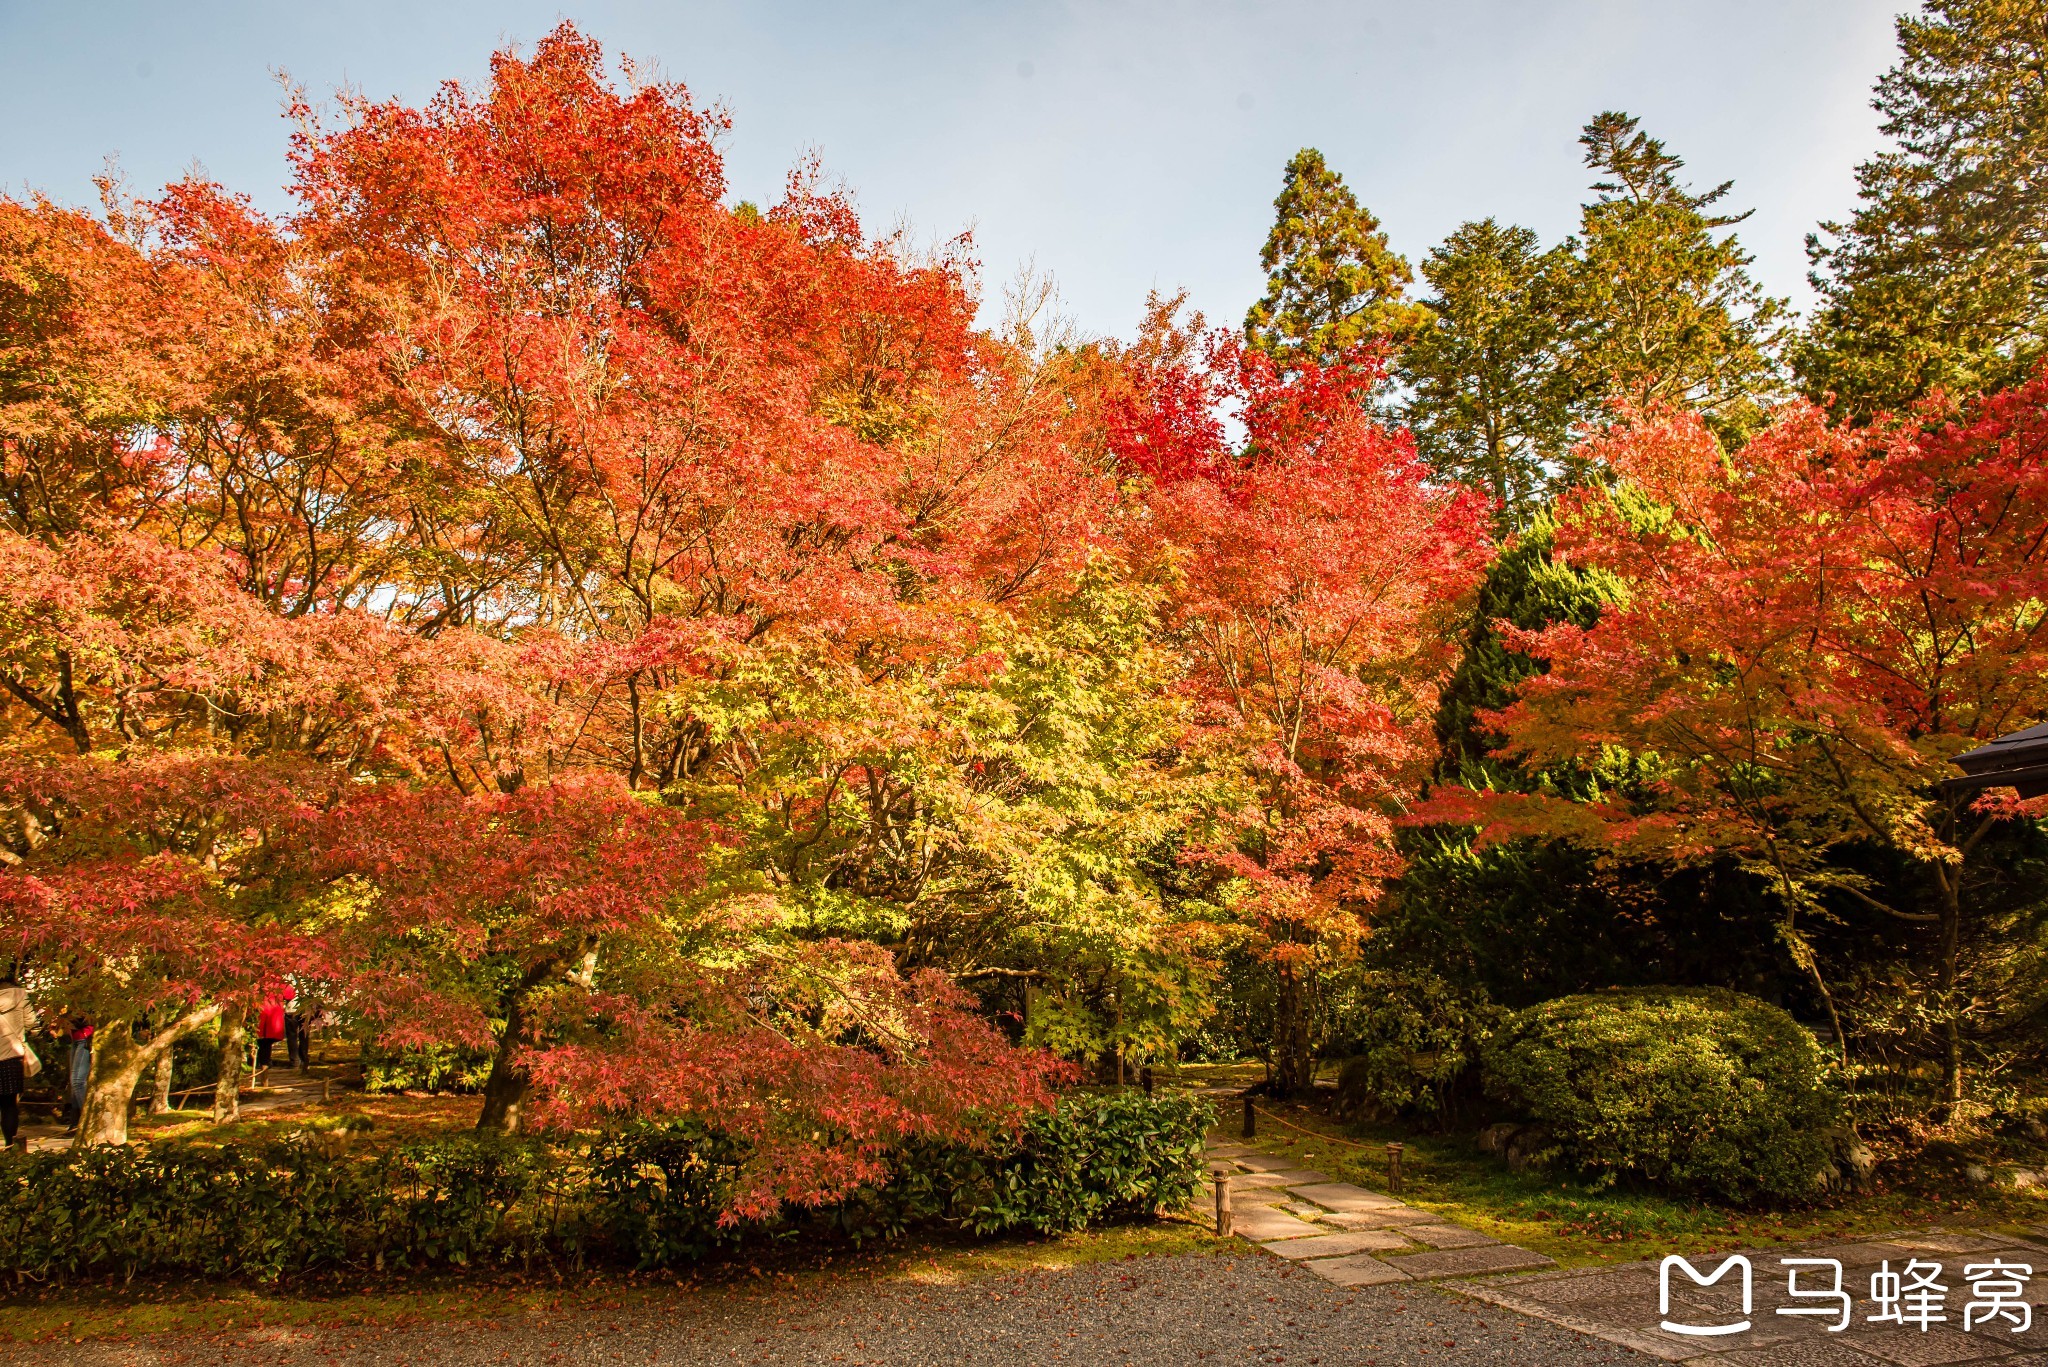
(1347, 1234)
(1355, 1237)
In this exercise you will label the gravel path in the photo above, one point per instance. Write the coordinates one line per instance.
(1179, 1311)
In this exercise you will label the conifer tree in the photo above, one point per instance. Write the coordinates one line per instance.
(1331, 279)
(1940, 279)
(1662, 306)
(1485, 397)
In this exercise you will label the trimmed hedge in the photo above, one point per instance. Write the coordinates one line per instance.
(1097, 1156)
(648, 1196)
(1705, 1091)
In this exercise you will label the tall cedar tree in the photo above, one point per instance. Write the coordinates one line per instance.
(1332, 281)
(1940, 279)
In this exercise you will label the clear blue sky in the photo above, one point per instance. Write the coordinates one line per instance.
(1122, 144)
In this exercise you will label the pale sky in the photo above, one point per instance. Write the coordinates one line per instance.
(1122, 145)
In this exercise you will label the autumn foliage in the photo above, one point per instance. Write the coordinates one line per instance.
(359, 566)
(682, 651)
(1806, 631)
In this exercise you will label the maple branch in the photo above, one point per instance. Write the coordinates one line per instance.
(1873, 903)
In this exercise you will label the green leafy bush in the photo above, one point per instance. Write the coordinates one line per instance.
(441, 1068)
(649, 1195)
(1704, 1091)
(1095, 1156)
(1410, 1040)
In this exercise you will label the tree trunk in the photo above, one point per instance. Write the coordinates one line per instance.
(506, 1088)
(1293, 1069)
(118, 1062)
(227, 1088)
(160, 1095)
(1951, 1008)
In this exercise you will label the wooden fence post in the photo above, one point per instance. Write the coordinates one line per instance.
(1225, 1218)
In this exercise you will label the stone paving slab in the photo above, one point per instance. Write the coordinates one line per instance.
(1470, 1262)
(1393, 1217)
(1335, 1228)
(1264, 1162)
(1934, 1348)
(1330, 1245)
(1346, 1197)
(1448, 1236)
(1262, 1223)
(1801, 1355)
(1949, 1243)
(1361, 1269)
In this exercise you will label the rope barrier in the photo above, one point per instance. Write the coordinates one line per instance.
(1319, 1134)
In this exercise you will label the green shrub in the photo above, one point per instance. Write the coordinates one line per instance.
(656, 1191)
(1094, 1156)
(1408, 1040)
(441, 1068)
(648, 1195)
(1703, 1091)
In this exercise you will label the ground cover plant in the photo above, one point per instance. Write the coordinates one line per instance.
(1585, 1223)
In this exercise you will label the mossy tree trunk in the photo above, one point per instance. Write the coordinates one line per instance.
(227, 1087)
(118, 1063)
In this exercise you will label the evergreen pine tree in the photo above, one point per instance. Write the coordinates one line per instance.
(1940, 279)
(1661, 306)
(1485, 395)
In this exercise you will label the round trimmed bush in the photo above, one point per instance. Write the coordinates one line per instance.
(1703, 1091)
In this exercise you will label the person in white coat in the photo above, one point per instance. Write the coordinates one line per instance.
(16, 1017)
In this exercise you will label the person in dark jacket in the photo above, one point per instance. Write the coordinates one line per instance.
(80, 1037)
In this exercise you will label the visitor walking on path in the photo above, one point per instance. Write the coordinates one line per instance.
(269, 1030)
(18, 1062)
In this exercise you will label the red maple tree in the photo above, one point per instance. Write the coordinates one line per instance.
(1319, 572)
(1808, 628)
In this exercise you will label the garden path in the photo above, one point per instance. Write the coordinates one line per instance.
(1350, 1235)
(1192, 1311)
(1356, 1237)
(282, 1089)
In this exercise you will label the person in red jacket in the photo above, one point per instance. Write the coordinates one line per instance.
(269, 1030)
